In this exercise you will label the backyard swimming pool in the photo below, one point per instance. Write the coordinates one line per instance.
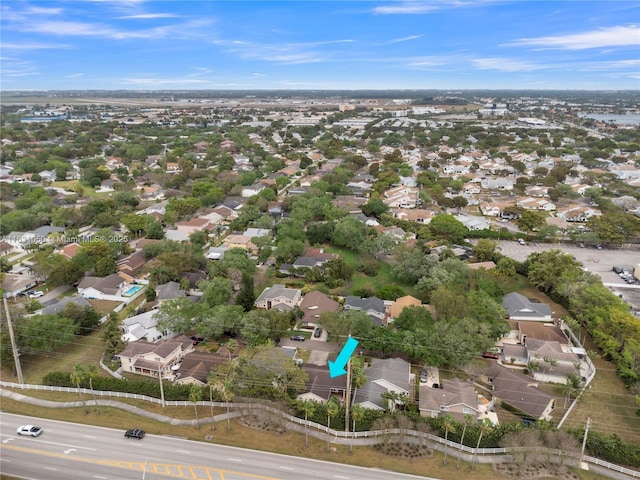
(132, 291)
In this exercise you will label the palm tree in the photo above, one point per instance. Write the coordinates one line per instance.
(332, 410)
(309, 408)
(485, 425)
(447, 423)
(195, 395)
(77, 377)
(227, 396)
(232, 346)
(92, 372)
(467, 421)
(213, 378)
(357, 413)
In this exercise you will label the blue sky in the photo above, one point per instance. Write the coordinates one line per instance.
(442, 44)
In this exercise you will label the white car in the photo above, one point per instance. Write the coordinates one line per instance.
(36, 294)
(30, 430)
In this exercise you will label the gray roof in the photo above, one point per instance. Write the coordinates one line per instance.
(147, 319)
(60, 306)
(364, 304)
(518, 306)
(278, 290)
(519, 391)
(169, 291)
(390, 371)
(451, 393)
(108, 284)
(47, 229)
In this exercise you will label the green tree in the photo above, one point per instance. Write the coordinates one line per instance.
(309, 408)
(447, 227)
(349, 232)
(246, 296)
(105, 266)
(332, 410)
(77, 377)
(530, 220)
(195, 396)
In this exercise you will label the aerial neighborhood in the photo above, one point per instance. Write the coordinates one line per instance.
(483, 251)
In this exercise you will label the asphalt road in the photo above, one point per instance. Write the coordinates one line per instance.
(68, 451)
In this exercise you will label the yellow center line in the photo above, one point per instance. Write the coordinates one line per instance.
(140, 466)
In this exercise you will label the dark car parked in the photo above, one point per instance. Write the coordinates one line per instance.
(134, 433)
(317, 332)
(298, 338)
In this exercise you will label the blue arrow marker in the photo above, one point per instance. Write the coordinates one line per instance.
(337, 368)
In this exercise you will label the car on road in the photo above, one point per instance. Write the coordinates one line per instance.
(521, 241)
(317, 332)
(36, 294)
(134, 433)
(30, 430)
(298, 338)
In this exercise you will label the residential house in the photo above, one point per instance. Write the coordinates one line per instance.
(173, 167)
(102, 288)
(402, 197)
(69, 251)
(240, 241)
(131, 264)
(520, 307)
(155, 359)
(555, 360)
(20, 240)
(252, 190)
(196, 367)
(59, 306)
(313, 304)
(384, 376)
(520, 392)
(473, 222)
(490, 209)
(5, 248)
(577, 213)
(14, 284)
(47, 176)
(143, 327)
(415, 215)
(168, 291)
(194, 225)
(536, 204)
(498, 183)
(455, 397)
(279, 297)
(215, 253)
(401, 303)
(321, 387)
(372, 306)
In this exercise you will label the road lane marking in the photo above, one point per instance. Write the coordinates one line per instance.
(65, 445)
(67, 452)
(98, 476)
(286, 468)
(339, 476)
(234, 459)
(183, 451)
(10, 439)
(51, 468)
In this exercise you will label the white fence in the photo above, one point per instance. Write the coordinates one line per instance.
(322, 428)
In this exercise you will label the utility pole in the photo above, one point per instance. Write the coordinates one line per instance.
(14, 347)
(584, 440)
(347, 402)
(160, 367)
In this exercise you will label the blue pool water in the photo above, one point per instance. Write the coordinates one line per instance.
(132, 290)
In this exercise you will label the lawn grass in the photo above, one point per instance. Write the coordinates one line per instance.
(289, 443)
(104, 307)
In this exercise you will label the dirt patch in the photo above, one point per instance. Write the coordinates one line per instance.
(404, 450)
(262, 423)
(534, 471)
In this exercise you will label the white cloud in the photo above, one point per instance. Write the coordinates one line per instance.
(74, 75)
(154, 82)
(505, 65)
(44, 11)
(405, 39)
(258, 75)
(284, 53)
(144, 16)
(33, 46)
(405, 8)
(618, 36)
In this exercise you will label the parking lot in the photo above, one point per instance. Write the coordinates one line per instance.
(599, 262)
